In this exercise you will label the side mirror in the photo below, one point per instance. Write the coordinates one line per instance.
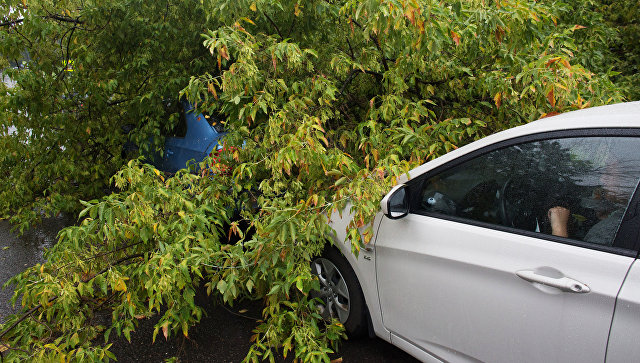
(395, 205)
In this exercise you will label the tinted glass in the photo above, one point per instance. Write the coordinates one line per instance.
(571, 187)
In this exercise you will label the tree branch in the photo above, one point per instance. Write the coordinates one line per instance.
(104, 254)
(66, 61)
(384, 58)
(12, 22)
(274, 24)
(376, 41)
(350, 77)
(293, 22)
(353, 56)
(54, 298)
(64, 19)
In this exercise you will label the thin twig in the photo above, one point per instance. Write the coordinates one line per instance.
(352, 74)
(293, 22)
(102, 254)
(240, 315)
(274, 24)
(35, 308)
(353, 56)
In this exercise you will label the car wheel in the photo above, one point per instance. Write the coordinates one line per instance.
(340, 292)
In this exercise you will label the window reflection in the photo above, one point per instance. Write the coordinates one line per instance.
(571, 187)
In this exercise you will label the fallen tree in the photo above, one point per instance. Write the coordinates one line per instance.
(327, 103)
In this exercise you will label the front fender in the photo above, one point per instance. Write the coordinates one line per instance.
(364, 266)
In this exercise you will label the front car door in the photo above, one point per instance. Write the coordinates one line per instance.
(479, 269)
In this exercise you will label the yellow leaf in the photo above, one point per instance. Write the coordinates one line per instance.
(498, 99)
(128, 234)
(410, 14)
(253, 7)
(367, 237)
(157, 172)
(121, 286)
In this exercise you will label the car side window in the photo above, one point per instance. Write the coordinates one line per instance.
(569, 187)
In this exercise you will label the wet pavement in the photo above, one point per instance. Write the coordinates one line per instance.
(19, 252)
(223, 335)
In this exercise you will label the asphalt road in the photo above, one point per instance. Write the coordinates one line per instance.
(222, 335)
(18, 253)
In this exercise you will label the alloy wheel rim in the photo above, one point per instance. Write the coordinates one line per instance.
(333, 292)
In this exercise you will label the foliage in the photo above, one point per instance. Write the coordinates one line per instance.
(624, 17)
(87, 71)
(613, 24)
(332, 101)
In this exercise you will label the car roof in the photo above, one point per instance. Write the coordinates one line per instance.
(620, 115)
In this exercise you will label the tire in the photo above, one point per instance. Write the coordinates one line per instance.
(340, 292)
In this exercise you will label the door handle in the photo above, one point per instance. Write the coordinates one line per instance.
(562, 283)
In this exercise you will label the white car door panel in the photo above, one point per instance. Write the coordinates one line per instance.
(623, 339)
(512, 253)
(452, 289)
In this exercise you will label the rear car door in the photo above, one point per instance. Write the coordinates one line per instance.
(477, 271)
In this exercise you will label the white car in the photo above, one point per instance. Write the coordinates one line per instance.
(520, 247)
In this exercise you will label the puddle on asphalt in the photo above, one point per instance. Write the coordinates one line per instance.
(20, 252)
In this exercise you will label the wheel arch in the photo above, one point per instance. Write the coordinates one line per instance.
(363, 267)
